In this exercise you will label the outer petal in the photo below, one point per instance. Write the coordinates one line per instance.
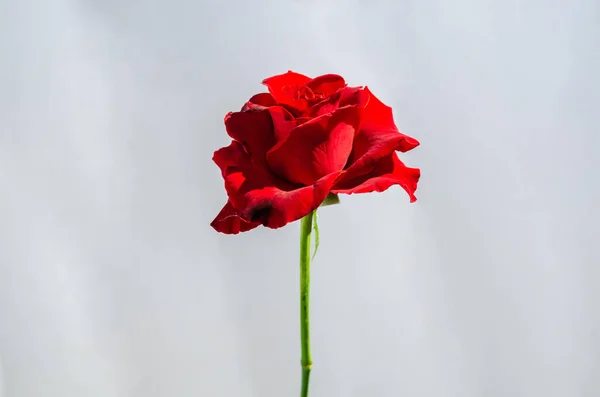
(378, 138)
(378, 118)
(259, 129)
(259, 196)
(229, 221)
(316, 148)
(259, 101)
(387, 172)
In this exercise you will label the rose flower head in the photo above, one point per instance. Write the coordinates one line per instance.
(303, 140)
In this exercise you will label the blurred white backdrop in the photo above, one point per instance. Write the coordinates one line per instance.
(112, 283)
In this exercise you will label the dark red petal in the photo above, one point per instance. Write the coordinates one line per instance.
(387, 172)
(254, 130)
(229, 221)
(327, 84)
(258, 130)
(260, 197)
(378, 118)
(316, 148)
(347, 96)
(227, 157)
(276, 208)
(259, 101)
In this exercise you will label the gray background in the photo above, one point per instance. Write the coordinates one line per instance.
(113, 284)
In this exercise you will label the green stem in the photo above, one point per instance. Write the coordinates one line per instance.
(306, 226)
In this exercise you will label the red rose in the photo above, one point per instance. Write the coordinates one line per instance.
(305, 139)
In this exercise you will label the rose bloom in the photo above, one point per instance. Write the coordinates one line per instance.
(303, 140)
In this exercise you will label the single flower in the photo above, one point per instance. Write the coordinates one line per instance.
(303, 140)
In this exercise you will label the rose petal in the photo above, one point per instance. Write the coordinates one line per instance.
(285, 87)
(347, 96)
(368, 149)
(261, 197)
(279, 82)
(259, 129)
(316, 148)
(378, 137)
(229, 221)
(378, 118)
(327, 84)
(387, 172)
(259, 101)
(284, 122)
(241, 173)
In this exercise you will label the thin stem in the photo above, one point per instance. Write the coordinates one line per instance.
(306, 226)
